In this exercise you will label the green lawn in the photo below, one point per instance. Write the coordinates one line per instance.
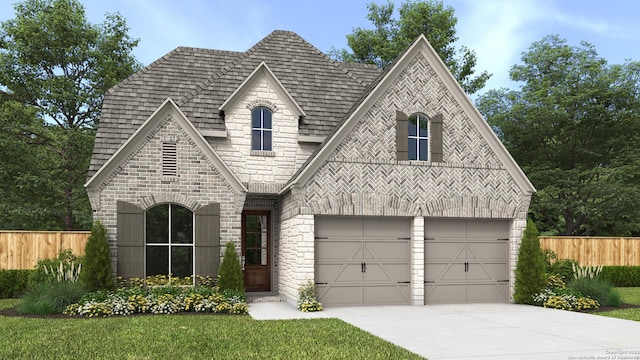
(188, 337)
(630, 295)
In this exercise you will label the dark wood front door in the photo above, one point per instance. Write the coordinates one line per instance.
(256, 240)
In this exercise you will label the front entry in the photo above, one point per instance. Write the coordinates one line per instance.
(256, 239)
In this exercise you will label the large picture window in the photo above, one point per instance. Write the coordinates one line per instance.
(169, 240)
(261, 129)
(418, 137)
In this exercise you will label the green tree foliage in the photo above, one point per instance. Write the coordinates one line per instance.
(55, 68)
(530, 269)
(96, 271)
(391, 36)
(573, 127)
(230, 274)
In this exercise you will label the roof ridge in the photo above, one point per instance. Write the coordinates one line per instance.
(144, 70)
(335, 63)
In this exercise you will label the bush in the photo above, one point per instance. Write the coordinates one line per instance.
(597, 289)
(622, 276)
(308, 298)
(530, 274)
(50, 297)
(230, 273)
(42, 271)
(13, 283)
(96, 273)
(562, 268)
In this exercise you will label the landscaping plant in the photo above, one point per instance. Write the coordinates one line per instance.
(308, 298)
(530, 269)
(230, 274)
(97, 274)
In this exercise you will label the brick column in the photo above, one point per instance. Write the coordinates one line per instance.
(417, 260)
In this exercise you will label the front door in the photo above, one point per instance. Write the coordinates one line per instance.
(256, 239)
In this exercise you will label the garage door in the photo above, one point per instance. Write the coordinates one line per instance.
(466, 261)
(362, 261)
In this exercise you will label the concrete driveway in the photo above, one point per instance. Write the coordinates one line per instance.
(483, 331)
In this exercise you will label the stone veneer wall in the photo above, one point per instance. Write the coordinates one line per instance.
(140, 181)
(268, 168)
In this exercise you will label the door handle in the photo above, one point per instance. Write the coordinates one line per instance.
(365, 267)
(243, 260)
(466, 267)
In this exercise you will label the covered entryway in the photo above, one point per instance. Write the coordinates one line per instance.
(466, 261)
(362, 260)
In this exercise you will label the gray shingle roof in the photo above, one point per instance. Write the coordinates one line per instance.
(200, 80)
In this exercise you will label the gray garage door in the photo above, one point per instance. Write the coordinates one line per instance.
(466, 261)
(362, 261)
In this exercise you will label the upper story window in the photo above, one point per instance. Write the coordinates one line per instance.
(418, 137)
(261, 130)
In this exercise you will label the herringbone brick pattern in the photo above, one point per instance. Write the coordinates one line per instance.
(417, 90)
(363, 176)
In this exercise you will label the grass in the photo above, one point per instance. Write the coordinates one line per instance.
(188, 337)
(629, 295)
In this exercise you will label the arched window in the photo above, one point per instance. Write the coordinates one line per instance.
(261, 129)
(418, 137)
(169, 240)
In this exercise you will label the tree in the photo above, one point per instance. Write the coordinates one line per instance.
(96, 271)
(55, 68)
(391, 36)
(530, 269)
(573, 127)
(230, 274)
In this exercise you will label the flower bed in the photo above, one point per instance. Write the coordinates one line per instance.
(158, 300)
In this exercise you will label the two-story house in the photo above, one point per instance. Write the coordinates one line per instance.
(382, 187)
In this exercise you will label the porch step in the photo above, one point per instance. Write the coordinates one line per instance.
(264, 299)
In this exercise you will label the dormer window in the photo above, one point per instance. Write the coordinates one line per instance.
(261, 131)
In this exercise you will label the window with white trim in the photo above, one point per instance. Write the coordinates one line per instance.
(261, 131)
(169, 240)
(418, 137)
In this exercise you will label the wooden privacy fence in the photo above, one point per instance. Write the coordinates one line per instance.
(23, 249)
(594, 251)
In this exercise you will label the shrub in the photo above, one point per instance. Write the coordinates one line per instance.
(562, 268)
(597, 289)
(50, 297)
(97, 274)
(13, 283)
(622, 276)
(530, 275)
(42, 271)
(308, 298)
(230, 273)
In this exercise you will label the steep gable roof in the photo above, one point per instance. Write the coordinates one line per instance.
(202, 80)
(263, 71)
(376, 89)
(140, 136)
(127, 105)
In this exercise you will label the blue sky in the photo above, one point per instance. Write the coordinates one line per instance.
(498, 30)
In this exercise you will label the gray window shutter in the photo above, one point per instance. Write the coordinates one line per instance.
(207, 240)
(436, 138)
(130, 240)
(402, 136)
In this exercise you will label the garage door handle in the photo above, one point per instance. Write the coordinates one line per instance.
(322, 283)
(404, 282)
(363, 267)
(466, 267)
